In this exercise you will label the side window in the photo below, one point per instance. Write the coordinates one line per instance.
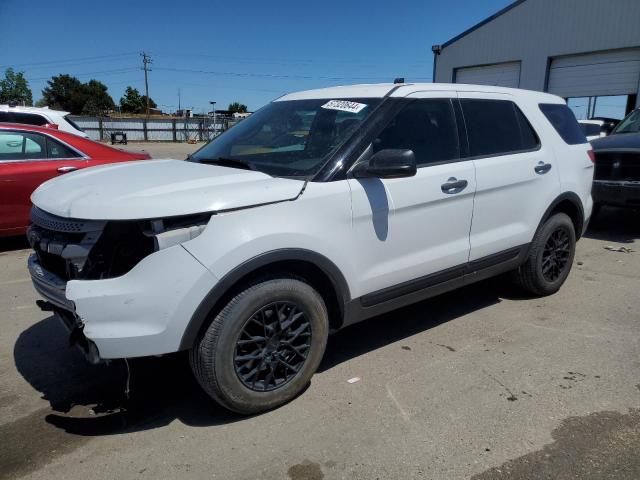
(497, 127)
(21, 146)
(29, 118)
(5, 117)
(57, 150)
(564, 121)
(427, 127)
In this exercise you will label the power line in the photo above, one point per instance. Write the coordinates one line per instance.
(269, 75)
(85, 74)
(65, 61)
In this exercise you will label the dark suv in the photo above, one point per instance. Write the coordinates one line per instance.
(617, 176)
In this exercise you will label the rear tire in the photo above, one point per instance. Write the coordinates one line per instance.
(263, 347)
(550, 257)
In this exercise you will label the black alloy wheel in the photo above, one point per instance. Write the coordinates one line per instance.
(273, 346)
(556, 254)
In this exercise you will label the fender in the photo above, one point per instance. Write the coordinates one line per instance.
(230, 279)
(575, 200)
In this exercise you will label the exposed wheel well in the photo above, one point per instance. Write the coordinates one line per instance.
(311, 274)
(574, 212)
(302, 269)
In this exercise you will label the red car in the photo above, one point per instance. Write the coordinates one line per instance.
(30, 155)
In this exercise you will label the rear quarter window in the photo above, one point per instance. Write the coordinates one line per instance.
(497, 127)
(564, 121)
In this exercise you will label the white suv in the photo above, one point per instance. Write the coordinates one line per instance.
(43, 117)
(322, 209)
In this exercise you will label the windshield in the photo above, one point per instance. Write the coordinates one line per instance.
(630, 124)
(291, 138)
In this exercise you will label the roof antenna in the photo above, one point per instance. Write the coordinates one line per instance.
(398, 80)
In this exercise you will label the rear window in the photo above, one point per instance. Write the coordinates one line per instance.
(565, 123)
(497, 127)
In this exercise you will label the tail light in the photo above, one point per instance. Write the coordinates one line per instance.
(592, 156)
(51, 125)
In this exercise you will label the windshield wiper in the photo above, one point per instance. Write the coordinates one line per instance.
(228, 162)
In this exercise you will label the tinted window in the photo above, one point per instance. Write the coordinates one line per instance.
(57, 150)
(27, 118)
(590, 129)
(427, 127)
(21, 146)
(497, 127)
(564, 121)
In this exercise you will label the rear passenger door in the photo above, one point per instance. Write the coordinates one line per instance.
(409, 228)
(516, 174)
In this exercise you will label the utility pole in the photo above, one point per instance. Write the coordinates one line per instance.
(179, 106)
(213, 107)
(146, 61)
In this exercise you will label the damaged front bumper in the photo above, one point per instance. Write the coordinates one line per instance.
(52, 288)
(144, 312)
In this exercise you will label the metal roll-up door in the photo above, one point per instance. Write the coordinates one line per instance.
(591, 75)
(499, 74)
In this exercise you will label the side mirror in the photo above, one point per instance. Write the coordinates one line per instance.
(51, 125)
(388, 163)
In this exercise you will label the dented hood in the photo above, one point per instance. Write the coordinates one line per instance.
(158, 188)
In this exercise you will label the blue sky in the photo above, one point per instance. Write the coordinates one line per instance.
(246, 51)
(257, 49)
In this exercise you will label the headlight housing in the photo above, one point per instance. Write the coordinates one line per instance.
(172, 231)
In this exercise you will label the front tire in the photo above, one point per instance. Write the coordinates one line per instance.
(263, 347)
(550, 257)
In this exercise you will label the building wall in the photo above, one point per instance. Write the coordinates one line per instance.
(536, 30)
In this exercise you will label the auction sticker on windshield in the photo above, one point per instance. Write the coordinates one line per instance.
(344, 105)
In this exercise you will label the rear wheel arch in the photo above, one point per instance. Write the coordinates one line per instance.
(313, 268)
(570, 204)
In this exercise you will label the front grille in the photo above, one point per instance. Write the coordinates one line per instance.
(62, 245)
(617, 166)
(64, 225)
(87, 249)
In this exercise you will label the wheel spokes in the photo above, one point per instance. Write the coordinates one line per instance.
(272, 346)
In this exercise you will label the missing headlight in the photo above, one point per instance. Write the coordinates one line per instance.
(172, 231)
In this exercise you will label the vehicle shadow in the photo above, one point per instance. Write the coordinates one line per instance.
(620, 225)
(9, 244)
(90, 400)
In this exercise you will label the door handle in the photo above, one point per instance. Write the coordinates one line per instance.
(542, 168)
(66, 169)
(453, 185)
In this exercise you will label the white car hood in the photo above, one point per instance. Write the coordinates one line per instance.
(158, 188)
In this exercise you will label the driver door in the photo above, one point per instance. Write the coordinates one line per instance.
(413, 233)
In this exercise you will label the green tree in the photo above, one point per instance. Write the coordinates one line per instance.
(152, 104)
(98, 101)
(65, 92)
(133, 102)
(15, 88)
(237, 107)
